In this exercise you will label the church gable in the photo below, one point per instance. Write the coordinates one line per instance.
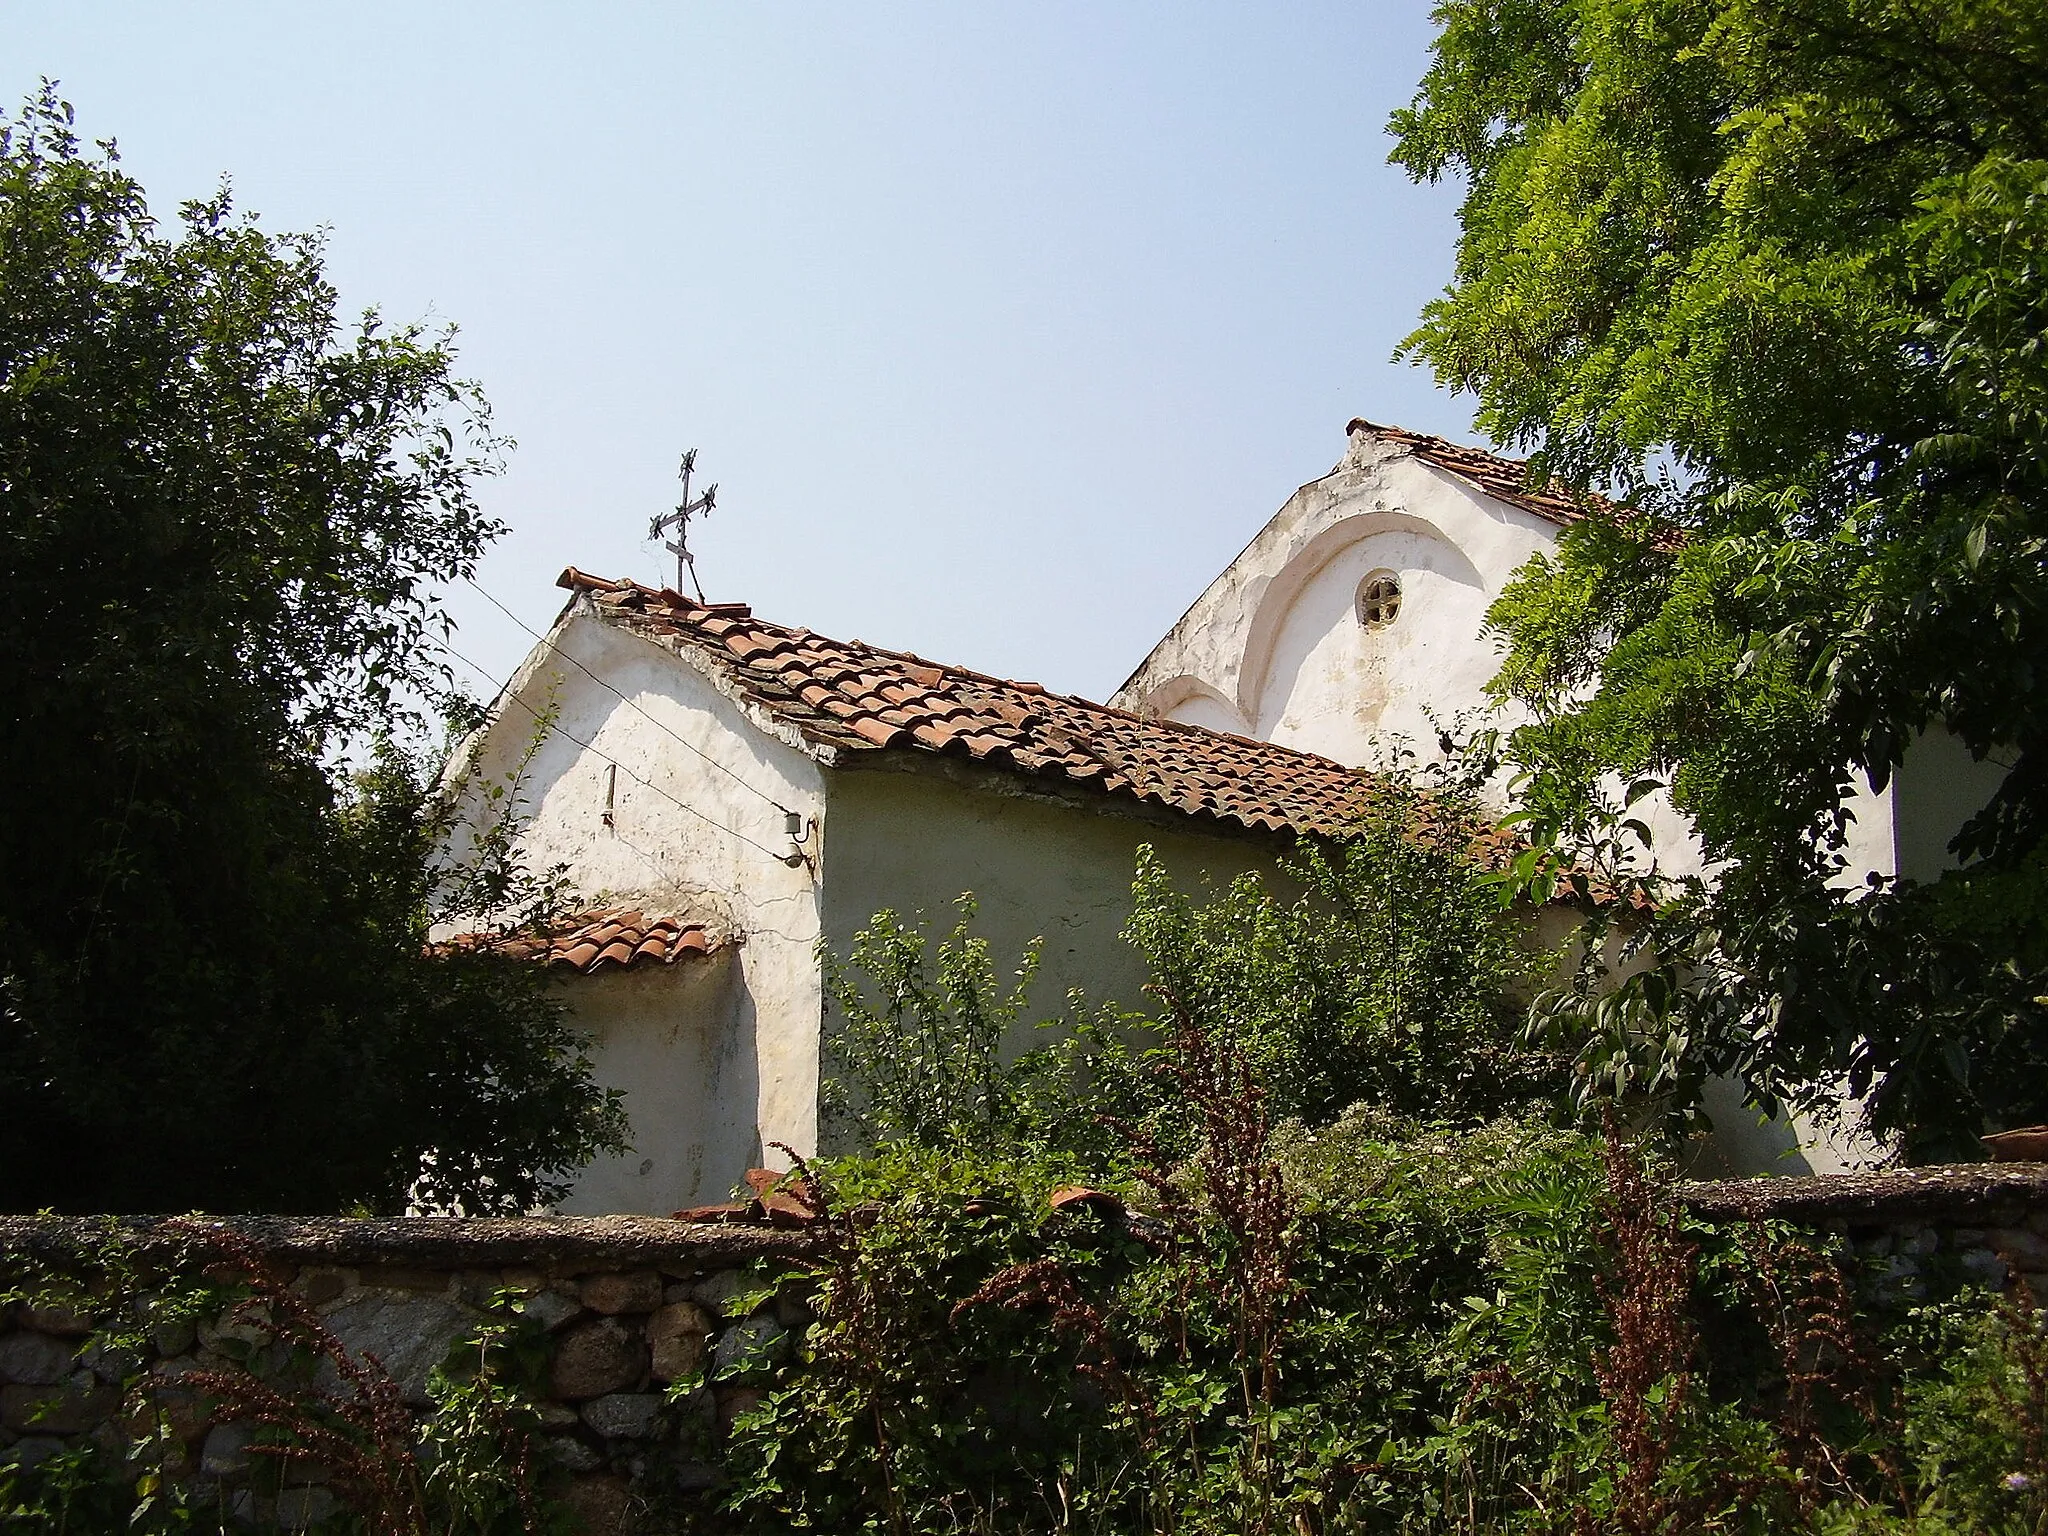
(1355, 615)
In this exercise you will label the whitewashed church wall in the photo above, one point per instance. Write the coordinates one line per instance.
(1332, 685)
(913, 842)
(1937, 788)
(679, 1042)
(702, 843)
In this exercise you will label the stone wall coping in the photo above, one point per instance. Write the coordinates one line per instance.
(428, 1242)
(1958, 1194)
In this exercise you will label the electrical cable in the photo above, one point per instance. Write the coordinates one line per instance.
(630, 704)
(505, 692)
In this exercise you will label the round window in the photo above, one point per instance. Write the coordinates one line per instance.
(1379, 599)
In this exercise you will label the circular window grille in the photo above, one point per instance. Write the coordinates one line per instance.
(1379, 600)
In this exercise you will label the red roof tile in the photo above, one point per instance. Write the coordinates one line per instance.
(860, 698)
(1503, 479)
(590, 941)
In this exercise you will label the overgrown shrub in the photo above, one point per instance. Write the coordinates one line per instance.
(1267, 1343)
(1372, 1326)
(1349, 1266)
(922, 1051)
(1392, 979)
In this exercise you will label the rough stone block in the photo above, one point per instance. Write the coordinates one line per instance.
(635, 1291)
(69, 1409)
(31, 1450)
(571, 1454)
(409, 1334)
(734, 1401)
(718, 1288)
(174, 1337)
(226, 1453)
(750, 1345)
(699, 1407)
(675, 1337)
(35, 1359)
(1983, 1267)
(110, 1364)
(65, 1322)
(2022, 1247)
(234, 1332)
(598, 1357)
(694, 1477)
(551, 1309)
(600, 1504)
(400, 1277)
(624, 1415)
(298, 1508)
(320, 1286)
(184, 1412)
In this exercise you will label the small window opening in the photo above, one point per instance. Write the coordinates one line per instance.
(1379, 600)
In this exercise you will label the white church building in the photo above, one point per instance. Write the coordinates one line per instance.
(726, 792)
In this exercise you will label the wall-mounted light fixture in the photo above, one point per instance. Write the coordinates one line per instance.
(799, 832)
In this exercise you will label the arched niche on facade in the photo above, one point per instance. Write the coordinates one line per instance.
(1318, 676)
(1191, 701)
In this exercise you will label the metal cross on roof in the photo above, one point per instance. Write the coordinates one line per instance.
(680, 521)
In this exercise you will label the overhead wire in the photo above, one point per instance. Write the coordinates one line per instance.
(505, 692)
(660, 725)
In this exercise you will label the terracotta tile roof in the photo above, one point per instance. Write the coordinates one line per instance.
(605, 937)
(860, 698)
(1503, 479)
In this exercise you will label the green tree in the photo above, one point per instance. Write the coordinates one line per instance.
(223, 526)
(1776, 271)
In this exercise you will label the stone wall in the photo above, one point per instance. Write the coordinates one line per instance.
(1987, 1220)
(630, 1305)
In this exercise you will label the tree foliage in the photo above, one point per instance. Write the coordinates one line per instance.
(224, 521)
(1778, 270)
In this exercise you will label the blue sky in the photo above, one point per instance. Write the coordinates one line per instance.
(1000, 328)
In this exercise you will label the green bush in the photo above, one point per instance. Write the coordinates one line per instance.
(922, 1051)
(1393, 978)
(1375, 1326)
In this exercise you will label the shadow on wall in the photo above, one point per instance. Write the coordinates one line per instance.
(679, 1041)
(1742, 1144)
